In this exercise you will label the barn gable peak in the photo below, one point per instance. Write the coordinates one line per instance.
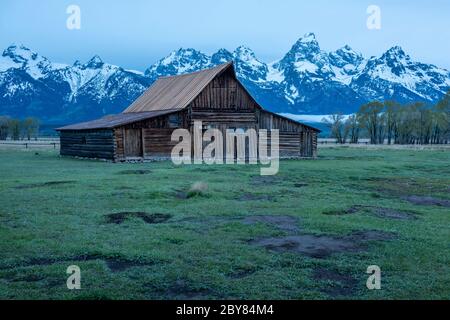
(176, 92)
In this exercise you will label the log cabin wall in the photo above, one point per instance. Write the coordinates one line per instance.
(97, 144)
(295, 139)
(155, 135)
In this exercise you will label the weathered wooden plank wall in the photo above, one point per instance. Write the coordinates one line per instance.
(89, 144)
(224, 93)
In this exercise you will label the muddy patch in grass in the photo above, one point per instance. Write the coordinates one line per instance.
(310, 245)
(44, 184)
(115, 264)
(370, 235)
(121, 217)
(285, 223)
(119, 265)
(135, 172)
(403, 187)
(350, 210)
(387, 213)
(264, 180)
(336, 284)
(28, 278)
(321, 246)
(241, 273)
(300, 185)
(380, 212)
(427, 201)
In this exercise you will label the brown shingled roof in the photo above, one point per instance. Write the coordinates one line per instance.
(177, 92)
(116, 120)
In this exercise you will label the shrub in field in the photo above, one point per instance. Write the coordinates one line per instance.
(197, 189)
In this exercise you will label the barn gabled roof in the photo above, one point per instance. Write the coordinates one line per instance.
(176, 92)
(167, 95)
(116, 120)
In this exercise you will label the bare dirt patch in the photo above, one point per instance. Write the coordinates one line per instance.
(264, 180)
(351, 210)
(310, 245)
(119, 265)
(393, 214)
(370, 235)
(44, 184)
(427, 201)
(337, 284)
(135, 172)
(121, 217)
(321, 246)
(285, 223)
(114, 264)
(300, 185)
(241, 273)
(380, 212)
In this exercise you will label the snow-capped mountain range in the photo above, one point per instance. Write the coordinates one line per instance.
(307, 80)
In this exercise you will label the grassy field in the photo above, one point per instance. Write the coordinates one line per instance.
(142, 231)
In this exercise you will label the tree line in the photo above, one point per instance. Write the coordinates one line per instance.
(17, 129)
(413, 123)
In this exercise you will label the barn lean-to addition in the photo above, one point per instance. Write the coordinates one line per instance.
(214, 96)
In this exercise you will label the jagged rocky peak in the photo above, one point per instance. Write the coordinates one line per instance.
(179, 62)
(246, 56)
(395, 58)
(19, 53)
(306, 48)
(221, 56)
(244, 53)
(346, 55)
(307, 44)
(95, 63)
(183, 54)
(395, 53)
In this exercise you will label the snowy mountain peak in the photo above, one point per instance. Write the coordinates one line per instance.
(221, 56)
(344, 56)
(244, 53)
(247, 56)
(306, 48)
(20, 54)
(179, 62)
(20, 57)
(308, 41)
(95, 63)
(308, 38)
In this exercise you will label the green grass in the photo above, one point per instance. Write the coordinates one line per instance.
(53, 213)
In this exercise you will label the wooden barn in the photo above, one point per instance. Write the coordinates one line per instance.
(213, 96)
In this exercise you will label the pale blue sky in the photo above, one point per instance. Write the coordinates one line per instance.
(136, 33)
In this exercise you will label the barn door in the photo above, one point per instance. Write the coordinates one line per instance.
(133, 143)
